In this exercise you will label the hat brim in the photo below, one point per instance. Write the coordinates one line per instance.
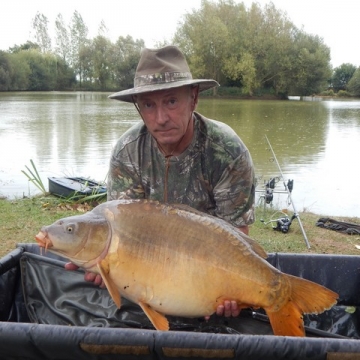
(127, 95)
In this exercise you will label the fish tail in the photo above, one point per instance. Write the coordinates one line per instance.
(305, 297)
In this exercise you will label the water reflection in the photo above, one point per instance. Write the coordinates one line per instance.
(316, 142)
(292, 126)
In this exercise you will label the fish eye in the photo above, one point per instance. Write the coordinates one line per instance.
(70, 229)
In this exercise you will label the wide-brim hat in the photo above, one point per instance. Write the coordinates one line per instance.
(161, 69)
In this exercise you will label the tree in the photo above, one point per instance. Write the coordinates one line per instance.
(65, 77)
(256, 49)
(101, 49)
(86, 62)
(268, 38)
(204, 37)
(42, 70)
(5, 71)
(353, 85)
(311, 65)
(62, 39)
(20, 71)
(78, 36)
(27, 46)
(102, 30)
(40, 26)
(125, 56)
(342, 76)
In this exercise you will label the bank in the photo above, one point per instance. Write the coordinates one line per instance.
(21, 219)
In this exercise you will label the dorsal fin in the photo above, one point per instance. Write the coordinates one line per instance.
(254, 245)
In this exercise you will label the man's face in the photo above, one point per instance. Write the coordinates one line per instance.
(167, 113)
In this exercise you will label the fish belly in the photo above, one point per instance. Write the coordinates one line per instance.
(189, 275)
(173, 291)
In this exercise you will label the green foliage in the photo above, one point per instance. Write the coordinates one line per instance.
(342, 76)
(354, 83)
(78, 43)
(101, 50)
(328, 93)
(311, 65)
(230, 91)
(27, 46)
(43, 68)
(5, 72)
(94, 196)
(255, 48)
(343, 93)
(32, 70)
(65, 77)
(20, 77)
(34, 177)
(124, 58)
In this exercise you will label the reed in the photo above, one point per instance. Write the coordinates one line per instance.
(34, 177)
(80, 198)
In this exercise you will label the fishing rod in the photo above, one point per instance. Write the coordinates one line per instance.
(296, 215)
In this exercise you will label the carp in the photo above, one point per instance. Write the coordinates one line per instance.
(174, 260)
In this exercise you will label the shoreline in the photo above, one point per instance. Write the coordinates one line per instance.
(22, 219)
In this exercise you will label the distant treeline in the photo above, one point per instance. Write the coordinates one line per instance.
(249, 51)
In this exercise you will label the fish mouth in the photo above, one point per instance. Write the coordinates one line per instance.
(43, 241)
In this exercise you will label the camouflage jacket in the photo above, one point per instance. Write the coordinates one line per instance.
(214, 174)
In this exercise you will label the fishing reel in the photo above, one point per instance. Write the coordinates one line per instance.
(283, 224)
(269, 190)
(269, 196)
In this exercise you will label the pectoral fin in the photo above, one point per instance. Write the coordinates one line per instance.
(158, 320)
(111, 287)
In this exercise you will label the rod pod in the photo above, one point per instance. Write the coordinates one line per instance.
(289, 193)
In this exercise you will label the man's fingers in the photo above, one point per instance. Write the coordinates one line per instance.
(89, 276)
(71, 266)
(94, 278)
(220, 310)
(229, 308)
(99, 281)
(235, 311)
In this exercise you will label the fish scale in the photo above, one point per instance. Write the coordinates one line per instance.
(174, 260)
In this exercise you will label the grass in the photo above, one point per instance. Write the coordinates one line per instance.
(322, 241)
(22, 219)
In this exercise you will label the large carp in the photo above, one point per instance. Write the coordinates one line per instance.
(174, 260)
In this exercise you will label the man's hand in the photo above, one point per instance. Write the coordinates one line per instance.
(227, 309)
(89, 276)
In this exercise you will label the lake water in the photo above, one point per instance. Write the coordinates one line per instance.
(317, 143)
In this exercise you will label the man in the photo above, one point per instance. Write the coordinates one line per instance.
(177, 155)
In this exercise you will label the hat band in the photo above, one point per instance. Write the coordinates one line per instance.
(161, 78)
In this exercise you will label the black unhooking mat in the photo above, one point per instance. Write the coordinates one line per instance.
(341, 226)
(47, 312)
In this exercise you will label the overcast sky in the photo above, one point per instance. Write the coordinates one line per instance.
(337, 22)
